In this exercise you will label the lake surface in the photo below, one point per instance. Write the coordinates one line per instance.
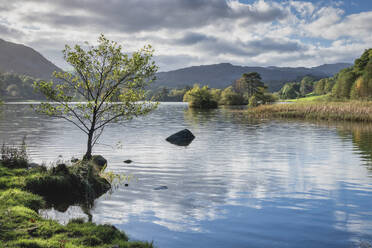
(240, 183)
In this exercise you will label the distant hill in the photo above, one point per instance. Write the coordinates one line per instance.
(23, 60)
(332, 69)
(222, 75)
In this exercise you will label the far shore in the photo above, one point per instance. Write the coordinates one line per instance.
(332, 110)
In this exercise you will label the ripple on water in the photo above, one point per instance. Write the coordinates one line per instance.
(240, 183)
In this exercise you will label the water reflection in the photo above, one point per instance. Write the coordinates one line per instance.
(361, 136)
(240, 183)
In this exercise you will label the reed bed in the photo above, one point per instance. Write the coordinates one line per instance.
(359, 111)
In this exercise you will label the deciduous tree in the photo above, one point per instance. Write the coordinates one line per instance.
(109, 81)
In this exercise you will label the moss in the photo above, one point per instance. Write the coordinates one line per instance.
(22, 227)
(16, 197)
(76, 184)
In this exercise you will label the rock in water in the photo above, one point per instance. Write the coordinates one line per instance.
(181, 138)
(161, 188)
(99, 160)
(128, 161)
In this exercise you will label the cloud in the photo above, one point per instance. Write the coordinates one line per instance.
(183, 33)
(7, 31)
(135, 16)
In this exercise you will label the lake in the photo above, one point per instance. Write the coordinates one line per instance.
(240, 183)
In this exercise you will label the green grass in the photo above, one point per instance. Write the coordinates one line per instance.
(310, 98)
(21, 226)
(359, 111)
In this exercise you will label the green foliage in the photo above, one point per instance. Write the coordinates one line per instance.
(354, 82)
(344, 82)
(216, 94)
(230, 97)
(290, 91)
(109, 81)
(324, 86)
(249, 84)
(362, 88)
(297, 89)
(361, 63)
(165, 94)
(17, 87)
(306, 85)
(200, 98)
(253, 101)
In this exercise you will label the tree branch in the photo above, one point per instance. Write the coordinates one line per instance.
(67, 119)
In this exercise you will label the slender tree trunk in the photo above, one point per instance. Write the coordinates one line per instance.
(88, 154)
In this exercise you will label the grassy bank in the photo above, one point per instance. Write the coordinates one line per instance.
(24, 191)
(322, 98)
(360, 111)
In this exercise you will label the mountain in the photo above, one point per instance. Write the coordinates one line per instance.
(222, 75)
(23, 60)
(332, 69)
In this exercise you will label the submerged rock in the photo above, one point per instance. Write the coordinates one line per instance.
(181, 138)
(161, 188)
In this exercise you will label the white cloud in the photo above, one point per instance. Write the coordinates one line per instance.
(183, 33)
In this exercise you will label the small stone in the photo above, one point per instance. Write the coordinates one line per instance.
(128, 161)
(161, 188)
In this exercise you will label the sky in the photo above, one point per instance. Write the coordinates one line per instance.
(194, 32)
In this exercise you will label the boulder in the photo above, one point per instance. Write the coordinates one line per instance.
(181, 138)
(99, 160)
(74, 160)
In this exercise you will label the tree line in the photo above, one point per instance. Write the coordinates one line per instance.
(17, 87)
(350, 83)
(249, 89)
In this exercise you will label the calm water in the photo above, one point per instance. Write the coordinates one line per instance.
(239, 184)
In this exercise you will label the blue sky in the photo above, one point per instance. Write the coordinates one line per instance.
(350, 6)
(186, 33)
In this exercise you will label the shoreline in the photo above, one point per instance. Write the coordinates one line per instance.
(354, 111)
(24, 190)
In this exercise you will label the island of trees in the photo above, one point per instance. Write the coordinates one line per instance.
(249, 89)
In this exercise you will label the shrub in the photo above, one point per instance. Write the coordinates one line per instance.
(14, 157)
(200, 98)
(230, 97)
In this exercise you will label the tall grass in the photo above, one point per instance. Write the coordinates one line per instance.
(360, 111)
